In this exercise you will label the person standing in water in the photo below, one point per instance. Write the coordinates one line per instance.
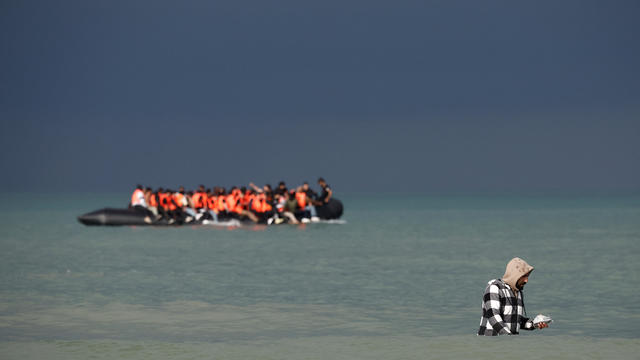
(503, 311)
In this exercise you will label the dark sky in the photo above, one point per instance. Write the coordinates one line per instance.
(429, 96)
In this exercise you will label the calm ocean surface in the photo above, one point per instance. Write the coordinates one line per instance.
(402, 279)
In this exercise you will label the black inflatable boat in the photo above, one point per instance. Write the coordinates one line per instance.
(110, 216)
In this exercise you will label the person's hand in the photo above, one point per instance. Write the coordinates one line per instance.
(542, 325)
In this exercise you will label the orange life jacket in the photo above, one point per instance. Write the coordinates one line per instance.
(233, 205)
(163, 199)
(153, 200)
(212, 203)
(301, 197)
(199, 200)
(246, 199)
(171, 202)
(137, 193)
(260, 203)
(177, 198)
(256, 204)
(221, 203)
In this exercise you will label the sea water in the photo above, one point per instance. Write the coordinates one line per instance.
(401, 278)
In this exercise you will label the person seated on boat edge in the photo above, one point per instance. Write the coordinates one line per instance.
(151, 198)
(139, 203)
(137, 199)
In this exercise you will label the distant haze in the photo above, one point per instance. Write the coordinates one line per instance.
(436, 96)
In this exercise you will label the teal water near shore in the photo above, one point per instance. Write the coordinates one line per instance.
(402, 278)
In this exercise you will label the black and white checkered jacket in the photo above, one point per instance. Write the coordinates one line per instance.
(500, 314)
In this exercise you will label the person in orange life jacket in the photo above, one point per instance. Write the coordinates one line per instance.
(187, 206)
(212, 205)
(163, 203)
(172, 202)
(246, 198)
(172, 207)
(139, 203)
(263, 204)
(232, 202)
(180, 203)
(137, 199)
(223, 214)
(243, 207)
(267, 203)
(266, 190)
(234, 205)
(261, 207)
(199, 199)
(152, 202)
(180, 199)
(305, 198)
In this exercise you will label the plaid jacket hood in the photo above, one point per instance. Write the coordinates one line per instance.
(516, 268)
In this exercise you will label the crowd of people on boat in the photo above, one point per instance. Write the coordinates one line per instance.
(217, 204)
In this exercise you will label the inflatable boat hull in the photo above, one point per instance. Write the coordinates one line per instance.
(331, 210)
(115, 217)
(109, 216)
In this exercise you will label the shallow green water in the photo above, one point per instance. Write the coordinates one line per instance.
(403, 278)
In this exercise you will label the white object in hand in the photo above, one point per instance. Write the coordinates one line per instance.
(542, 319)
